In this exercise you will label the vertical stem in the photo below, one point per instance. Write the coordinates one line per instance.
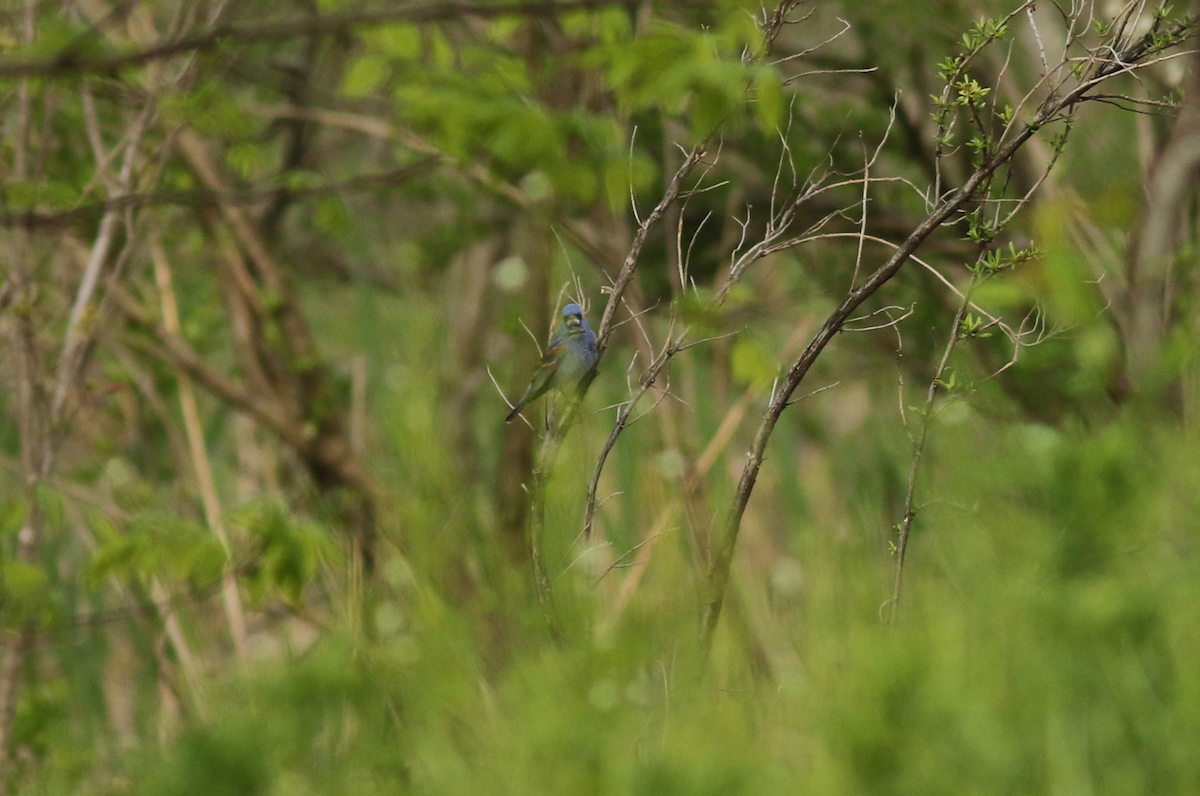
(10, 678)
(535, 528)
(919, 449)
(188, 664)
(199, 451)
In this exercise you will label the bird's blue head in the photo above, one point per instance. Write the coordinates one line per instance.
(573, 317)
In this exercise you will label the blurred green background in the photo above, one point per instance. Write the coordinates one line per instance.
(416, 191)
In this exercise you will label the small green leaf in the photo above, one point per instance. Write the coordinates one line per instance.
(402, 42)
(25, 588)
(332, 217)
(752, 365)
(365, 75)
(769, 101)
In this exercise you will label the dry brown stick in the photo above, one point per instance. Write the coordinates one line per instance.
(1147, 304)
(172, 348)
(10, 678)
(719, 576)
(329, 452)
(202, 197)
(296, 331)
(192, 671)
(263, 408)
(199, 452)
(75, 341)
(300, 377)
(719, 442)
(773, 25)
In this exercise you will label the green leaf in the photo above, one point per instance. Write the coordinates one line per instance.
(769, 101)
(211, 109)
(331, 216)
(575, 179)
(443, 51)
(26, 586)
(12, 517)
(156, 542)
(753, 366)
(287, 550)
(365, 75)
(402, 42)
(526, 137)
(717, 91)
(247, 158)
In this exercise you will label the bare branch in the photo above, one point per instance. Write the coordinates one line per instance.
(909, 512)
(886, 310)
(622, 422)
(639, 241)
(1050, 109)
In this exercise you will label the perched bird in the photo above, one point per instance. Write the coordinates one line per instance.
(571, 353)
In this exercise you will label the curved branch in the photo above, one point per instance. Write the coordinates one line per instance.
(1049, 111)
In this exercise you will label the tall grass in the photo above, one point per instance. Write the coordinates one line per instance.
(1045, 644)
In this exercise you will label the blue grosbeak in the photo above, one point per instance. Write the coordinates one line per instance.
(571, 354)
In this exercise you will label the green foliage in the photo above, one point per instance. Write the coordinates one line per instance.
(211, 109)
(221, 762)
(26, 586)
(678, 71)
(1054, 587)
(44, 706)
(285, 552)
(1047, 626)
(752, 364)
(156, 542)
(365, 75)
(57, 33)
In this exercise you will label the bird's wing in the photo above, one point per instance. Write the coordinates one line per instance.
(543, 377)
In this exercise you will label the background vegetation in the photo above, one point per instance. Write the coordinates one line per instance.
(271, 268)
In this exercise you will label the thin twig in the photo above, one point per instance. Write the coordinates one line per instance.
(1049, 110)
(644, 384)
(918, 450)
(199, 452)
(617, 290)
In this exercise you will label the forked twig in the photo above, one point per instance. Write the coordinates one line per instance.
(1052, 108)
